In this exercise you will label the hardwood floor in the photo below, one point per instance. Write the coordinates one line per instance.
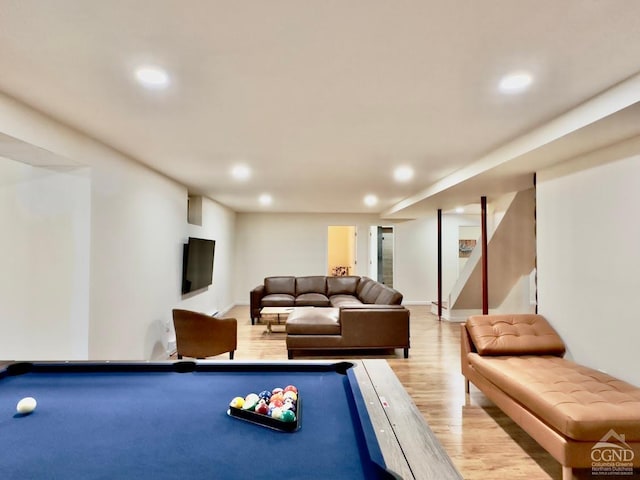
(482, 442)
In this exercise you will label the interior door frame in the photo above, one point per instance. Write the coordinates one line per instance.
(376, 254)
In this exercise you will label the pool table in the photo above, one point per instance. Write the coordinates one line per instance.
(166, 420)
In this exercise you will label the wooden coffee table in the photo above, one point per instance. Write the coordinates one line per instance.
(271, 314)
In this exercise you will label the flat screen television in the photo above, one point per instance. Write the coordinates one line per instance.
(197, 264)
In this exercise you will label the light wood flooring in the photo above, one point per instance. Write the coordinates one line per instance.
(482, 442)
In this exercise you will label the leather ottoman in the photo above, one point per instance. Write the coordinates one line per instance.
(314, 321)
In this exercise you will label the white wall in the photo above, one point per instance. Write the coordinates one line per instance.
(44, 253)
(270, 244)
(468, 232)
(218, 223)
(588, 263)
(137, 226)
(372, 271)
(416, 260)
(296, 244)
(451, 265)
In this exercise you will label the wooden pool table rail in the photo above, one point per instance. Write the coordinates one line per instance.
(409, 446)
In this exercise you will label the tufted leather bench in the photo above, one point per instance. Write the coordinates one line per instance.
(570, 409)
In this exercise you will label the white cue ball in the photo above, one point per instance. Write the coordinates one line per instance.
(26, 405)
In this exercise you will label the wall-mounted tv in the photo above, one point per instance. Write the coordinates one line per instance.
(197, 264)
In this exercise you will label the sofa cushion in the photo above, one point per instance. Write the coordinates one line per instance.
(314, 284)
(520, 334)
(342, 285)
(312, 300)
(389, 296)
(370, 295)
(280, 285)
(314, 321)
(364, 284)
(581, 403)
(344, 301)
(278, 300)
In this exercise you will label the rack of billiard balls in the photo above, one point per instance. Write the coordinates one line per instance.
(278, 408)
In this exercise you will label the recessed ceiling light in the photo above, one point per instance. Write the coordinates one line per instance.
(459, 210)
(152, 77)
(515, 82)
(370, 200)
(241, 172)
(403, 173)
(265, 199)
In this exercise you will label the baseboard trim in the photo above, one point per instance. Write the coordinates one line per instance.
(460, 316)
(454, 316)
(224, 311)
(171, 352)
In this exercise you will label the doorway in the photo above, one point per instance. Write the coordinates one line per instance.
(341, 251)
(467, 239)
(381, 258)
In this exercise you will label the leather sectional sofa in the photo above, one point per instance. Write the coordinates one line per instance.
(320, 291)
(348, 313)
(584, 418)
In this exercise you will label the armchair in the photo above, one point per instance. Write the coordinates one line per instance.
(199, 335)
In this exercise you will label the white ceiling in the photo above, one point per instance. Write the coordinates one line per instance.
(322, 99)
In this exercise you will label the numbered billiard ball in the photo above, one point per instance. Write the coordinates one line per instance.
(250, 401)
(288, 416)
(265, 394)
(290, 388)
(262, 408)
(277, 397)
(290, 394)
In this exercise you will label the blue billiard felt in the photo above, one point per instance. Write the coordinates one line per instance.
(167, 425)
